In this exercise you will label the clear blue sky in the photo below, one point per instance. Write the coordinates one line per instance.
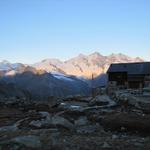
(31, 30)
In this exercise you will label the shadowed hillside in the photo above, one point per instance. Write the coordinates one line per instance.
(45, 85)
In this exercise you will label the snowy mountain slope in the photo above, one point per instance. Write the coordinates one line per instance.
(52, 77)
(80, 66)
(5, 65)
(85, 65)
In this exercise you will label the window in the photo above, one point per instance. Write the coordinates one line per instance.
(147, 84)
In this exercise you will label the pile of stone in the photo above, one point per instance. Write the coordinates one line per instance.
(71, 123)
(137, 101)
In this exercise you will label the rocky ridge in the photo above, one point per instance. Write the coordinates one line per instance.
(85, 65)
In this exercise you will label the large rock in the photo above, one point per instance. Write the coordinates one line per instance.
(102, 100)
(126, 96)
(51, 121)
(9, 128)
(60, 121)
(87, 129)
(28, 141)
(81, 121)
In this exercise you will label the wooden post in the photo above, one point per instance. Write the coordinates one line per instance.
(93, 92)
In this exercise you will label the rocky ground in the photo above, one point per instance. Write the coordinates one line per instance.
(75, 123)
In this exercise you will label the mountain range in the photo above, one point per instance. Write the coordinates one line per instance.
(84, 65)
(53, 77)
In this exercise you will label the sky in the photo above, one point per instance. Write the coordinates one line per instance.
(32, 30)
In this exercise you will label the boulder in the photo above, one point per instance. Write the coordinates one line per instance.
(124, 96)
(106, 145)
(8, 128)
(60, 121)
(87, 129)
(51, 121)
(102, 100)
(81, 121)
(28, 141)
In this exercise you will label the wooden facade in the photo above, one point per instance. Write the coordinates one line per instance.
(130, 75)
